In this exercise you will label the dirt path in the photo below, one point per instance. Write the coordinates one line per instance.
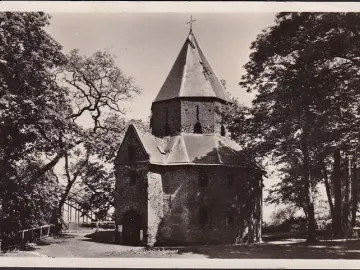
(77, 245)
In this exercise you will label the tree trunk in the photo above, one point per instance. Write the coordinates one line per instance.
(260, 210)
(311, 233)
(51, 164)
(328, 191)
(57, 213)
(346, 207)
(311, 237)
(337, 224)
(354, 201)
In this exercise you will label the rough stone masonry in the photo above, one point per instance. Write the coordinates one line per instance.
(187, 182)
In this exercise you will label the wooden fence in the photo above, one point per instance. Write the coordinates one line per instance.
(37, 233)
(27, 236)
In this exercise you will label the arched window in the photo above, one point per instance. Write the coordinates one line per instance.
(132, 178)
(222, 131)
(203, 179)
(167, 129)
(203, 216)
(131, 152)
(198, 128)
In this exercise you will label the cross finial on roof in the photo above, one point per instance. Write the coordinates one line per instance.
(191, 22)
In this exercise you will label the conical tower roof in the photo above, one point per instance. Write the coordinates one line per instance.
(191, 75)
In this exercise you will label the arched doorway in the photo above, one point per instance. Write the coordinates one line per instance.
(131, 228)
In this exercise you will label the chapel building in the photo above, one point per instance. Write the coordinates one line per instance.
(186, 182)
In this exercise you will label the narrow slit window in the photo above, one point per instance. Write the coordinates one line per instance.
(197, 126)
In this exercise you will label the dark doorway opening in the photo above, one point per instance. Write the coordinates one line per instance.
(198, 128)
(222, 131)
(131, 228)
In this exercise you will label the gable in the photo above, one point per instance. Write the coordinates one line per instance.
(131, 148)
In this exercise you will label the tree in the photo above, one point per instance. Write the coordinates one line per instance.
(304, 69)
(31, 103)
(21, 208)
(43, 95)
(281, 215)
(97, 86)
(289, 190)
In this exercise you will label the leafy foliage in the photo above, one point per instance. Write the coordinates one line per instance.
(42, 95)
(304, 71)
(30, 106)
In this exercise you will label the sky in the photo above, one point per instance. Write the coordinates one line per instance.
(146, 45)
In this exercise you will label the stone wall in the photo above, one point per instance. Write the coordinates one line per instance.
(182, 115)
(181, 222)
(130, 142)
(131, 197)
(218, 108)
(206, 114)
(169, 109)
(174, 225)
(169, 199)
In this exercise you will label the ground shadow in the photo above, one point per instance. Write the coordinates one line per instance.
(63, 236)
(42, 242)
(291, 249)
(105, 237)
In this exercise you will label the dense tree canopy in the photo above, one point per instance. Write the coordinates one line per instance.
(30, 104)
(304, 71)
(43, 96)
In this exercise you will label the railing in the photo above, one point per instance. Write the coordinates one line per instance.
(78, 226)
(32, 234)
(352, 232)
(27, 236)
